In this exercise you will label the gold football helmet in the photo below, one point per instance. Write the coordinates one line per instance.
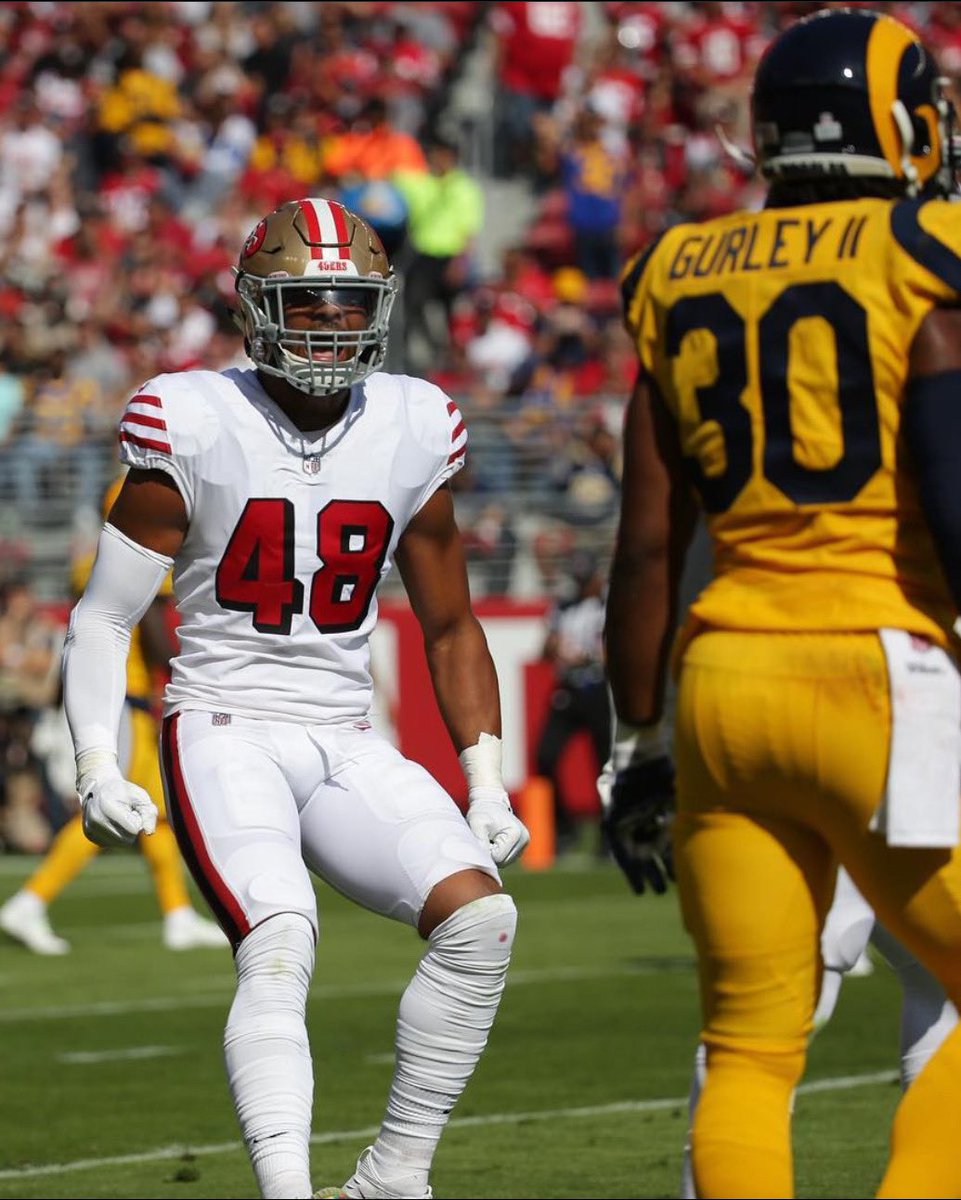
(314, 253)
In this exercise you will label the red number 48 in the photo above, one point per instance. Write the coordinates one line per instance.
(256, 573)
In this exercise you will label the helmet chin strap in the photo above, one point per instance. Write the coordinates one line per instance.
(743, 158)
(906, 131)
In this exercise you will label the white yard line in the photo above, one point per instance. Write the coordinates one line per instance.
(81, 1058)
(213, 998)
(838, 1084)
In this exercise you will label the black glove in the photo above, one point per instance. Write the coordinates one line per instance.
(637, 823)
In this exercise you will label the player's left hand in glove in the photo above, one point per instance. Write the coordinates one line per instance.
(492, 822)
(637, 804)
(115, 811)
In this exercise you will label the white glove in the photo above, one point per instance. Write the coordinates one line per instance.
(115, 811)
(492, 822)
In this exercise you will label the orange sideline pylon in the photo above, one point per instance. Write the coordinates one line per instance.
(535, 802)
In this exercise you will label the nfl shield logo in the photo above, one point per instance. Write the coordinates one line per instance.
(312, 464)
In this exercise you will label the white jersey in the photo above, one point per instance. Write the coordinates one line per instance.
(289, 533)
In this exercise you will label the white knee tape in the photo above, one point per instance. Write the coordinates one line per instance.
(267, 1053)
(480, 933)
(276, 960)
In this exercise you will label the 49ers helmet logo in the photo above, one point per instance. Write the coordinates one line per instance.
(256, 238)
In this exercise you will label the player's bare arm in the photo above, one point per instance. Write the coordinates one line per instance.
(657, 522)
(150, 511)
(430, 557)
(932, 425)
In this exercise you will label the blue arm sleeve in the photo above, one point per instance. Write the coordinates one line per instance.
(932, 428)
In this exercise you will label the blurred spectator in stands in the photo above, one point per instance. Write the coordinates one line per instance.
(613, 84)
(593, 177)
(646, 201)
(373, 148)
(138, 110)
(445, 215)
(29, 656)
(228, 136)
(491, 465)
(586, 476)
(536, 41)
(287, 159)
(491, 544)
(30, 156)
(268, 63)
(422, 43)
(89, 256)
(714, 48)
(12, 400)
(382, 204)
(63, 447)
(943, 31)
(500, 335)
(574, 647)
(94, 357)
(363, 161)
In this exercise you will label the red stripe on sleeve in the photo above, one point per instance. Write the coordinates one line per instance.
(146, 443)
(132, 418)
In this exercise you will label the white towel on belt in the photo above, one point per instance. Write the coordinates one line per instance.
(921, 805)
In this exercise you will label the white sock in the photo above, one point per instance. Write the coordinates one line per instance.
(268, 1056)
(28, 901)
(828, 999)
(445, 1016)
(927, 1015)
(688, 1191)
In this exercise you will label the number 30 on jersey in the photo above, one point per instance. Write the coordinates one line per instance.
(256, 573)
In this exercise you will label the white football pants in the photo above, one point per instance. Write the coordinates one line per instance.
(256, 803)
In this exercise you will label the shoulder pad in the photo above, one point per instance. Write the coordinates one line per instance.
(634, 270)
(929, 231)
(170, 416)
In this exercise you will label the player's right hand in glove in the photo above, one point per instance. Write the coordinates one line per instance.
(637, 802)
(115, 811)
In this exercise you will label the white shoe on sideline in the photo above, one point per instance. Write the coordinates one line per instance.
(24, 918)
(364, 1185)
(186, 929)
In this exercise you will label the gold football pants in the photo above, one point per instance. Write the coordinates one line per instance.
(782, 747)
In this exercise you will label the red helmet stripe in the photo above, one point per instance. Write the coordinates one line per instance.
(340, 225)
(309, 210)
(326, 228)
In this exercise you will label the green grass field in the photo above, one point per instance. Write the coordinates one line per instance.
(113, 1081)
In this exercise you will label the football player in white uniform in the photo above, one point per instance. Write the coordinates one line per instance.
(281, 496)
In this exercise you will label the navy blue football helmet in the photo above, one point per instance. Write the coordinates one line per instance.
(853, 93)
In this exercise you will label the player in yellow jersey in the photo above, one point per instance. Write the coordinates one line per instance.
(800, 373)
(24, 916)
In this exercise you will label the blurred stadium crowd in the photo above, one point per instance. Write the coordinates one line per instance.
(140, 143)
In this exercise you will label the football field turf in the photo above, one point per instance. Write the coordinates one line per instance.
(112, 1080)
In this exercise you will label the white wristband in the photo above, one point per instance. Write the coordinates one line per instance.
(637, 744)
(481, 763)
(89, 760)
